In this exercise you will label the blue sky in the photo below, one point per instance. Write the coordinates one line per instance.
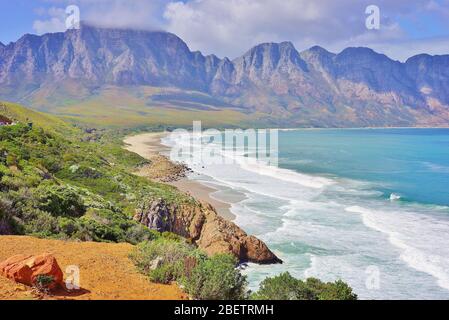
(16, 18)
(229, 27)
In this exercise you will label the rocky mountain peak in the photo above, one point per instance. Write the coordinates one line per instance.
(361, 55)
(356, 86)
(318, 57)
(270, 55)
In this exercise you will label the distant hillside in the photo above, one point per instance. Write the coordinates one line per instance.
(48, 122)
(58, 181)
(129, 77)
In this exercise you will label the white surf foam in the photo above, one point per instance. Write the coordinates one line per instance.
(422, 240)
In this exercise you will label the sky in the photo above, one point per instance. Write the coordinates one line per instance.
(231, 27)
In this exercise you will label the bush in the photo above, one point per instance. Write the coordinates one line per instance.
(165, 260)
(168, 255)
(282, 287)
(164, 274)
(106, 225)
(216, 278)
(286, 287)
(67, 226)
(41, 223)
(59, 200)
(139, 233)
(43, 283)
(7, 225)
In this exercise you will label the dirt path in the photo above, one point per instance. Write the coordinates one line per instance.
(105, 271)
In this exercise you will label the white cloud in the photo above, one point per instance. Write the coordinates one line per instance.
(402, 50)
(54, 23)
(141, 14)
(230, 27)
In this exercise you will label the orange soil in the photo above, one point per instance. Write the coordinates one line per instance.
(106, 272)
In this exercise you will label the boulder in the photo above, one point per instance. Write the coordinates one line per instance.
(15, 269)
(26, 269)
(200, 222)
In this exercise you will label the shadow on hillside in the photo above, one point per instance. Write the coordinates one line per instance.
(66, 294)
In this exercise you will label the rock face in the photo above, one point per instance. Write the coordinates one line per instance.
(106, 56)
(200, 223)
(26, 269)
(356, 87)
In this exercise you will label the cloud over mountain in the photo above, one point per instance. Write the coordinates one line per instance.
(228, 27)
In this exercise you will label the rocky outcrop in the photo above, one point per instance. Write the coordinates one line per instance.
(210, 232)
(26, 269)
(161, 169)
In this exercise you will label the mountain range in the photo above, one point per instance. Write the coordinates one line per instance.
(154, 75)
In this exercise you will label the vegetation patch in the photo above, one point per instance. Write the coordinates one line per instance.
(61, 181)
(286, 287)
(218, 277)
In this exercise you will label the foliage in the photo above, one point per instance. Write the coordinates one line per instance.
(43, 283)
(166, 260)
(60, 181)
(216, 278)
(59, 200)
(286, 287)
(163, 259)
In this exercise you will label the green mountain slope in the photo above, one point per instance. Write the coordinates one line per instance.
(56, 182)
(45, 121)
(115, 106)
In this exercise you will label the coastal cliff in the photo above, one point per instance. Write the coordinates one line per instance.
(194, 220)
(201, 224)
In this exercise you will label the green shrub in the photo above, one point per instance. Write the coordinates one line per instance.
(41, 223)
(59, 200)
(286, 287)
(216, 278)
(67, 226)
(164, 274)
(338, 290)
(43, 283)
(7, 223)
(170, 254)
(281, 287)
(139, 233)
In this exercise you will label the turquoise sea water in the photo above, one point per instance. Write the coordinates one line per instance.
(369, 206)
(413, 163)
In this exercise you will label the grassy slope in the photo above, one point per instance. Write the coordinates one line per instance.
(47, 122)
(55, 182)
(112, 106)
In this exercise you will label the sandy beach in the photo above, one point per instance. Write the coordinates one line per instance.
(148, 146)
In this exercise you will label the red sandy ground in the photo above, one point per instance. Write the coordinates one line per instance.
(106, 272)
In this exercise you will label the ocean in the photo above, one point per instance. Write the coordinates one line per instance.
(368, 206)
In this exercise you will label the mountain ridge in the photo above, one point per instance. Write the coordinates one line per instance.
(314, 87)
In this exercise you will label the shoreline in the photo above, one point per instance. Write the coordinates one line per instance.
(148, 146)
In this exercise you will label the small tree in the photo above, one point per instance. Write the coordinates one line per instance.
(216, 278)
(286, 287)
